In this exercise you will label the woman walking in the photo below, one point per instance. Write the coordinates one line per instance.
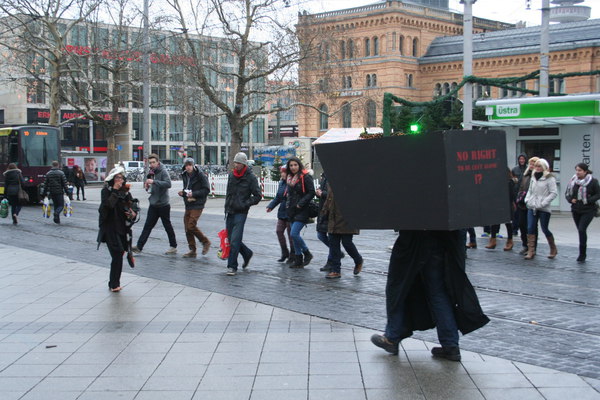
(79, 181)
(542, 190)
(300, 191)
(283, 223)
(583, 191)
(339, 233)
(13, 182)
(116, 218)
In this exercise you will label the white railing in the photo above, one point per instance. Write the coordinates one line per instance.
(218, 185)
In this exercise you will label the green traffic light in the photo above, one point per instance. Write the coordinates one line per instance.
(415, 128)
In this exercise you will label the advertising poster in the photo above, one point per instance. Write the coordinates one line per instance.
(94, 167)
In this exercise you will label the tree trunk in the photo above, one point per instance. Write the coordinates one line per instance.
(236, 138)
(54, 94)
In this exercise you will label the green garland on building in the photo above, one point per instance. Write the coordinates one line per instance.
(503, 83)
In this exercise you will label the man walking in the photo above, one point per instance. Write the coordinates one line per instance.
(242, 193)
(427, 287)
(158, 184)
(55, 184)
(194, 193)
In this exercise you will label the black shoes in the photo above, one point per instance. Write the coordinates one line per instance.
(15, 221)
(384, 343)
(325, 268)
(298, 262)
(247, 261)
(291, 259)
(307, 257)
(56, 219)
(283, 257)
(451, 353)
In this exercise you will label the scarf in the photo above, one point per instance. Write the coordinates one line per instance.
(239, 174)
(293, 179)
(582, 183)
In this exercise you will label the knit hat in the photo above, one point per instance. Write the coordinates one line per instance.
(241, 158)
(114, 172)
(189, 160)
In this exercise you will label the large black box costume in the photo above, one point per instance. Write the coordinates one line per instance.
(444, 180)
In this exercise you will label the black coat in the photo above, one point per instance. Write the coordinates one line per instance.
(323, 217)
(198, 184)
(405, 287)
(55, 183)
(280, 199)
(115, 230)
(298, 197)
(78, 181)
(242, 193)
(13, 180)
(593, 195)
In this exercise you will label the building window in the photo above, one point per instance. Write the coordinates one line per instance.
(393, 41)
(323, 117)
(437, 90)
(367, 47)
(368, 80)
(401, 45)
(445, 88)
(346, 82)
(522, 85)
(556, 86)
(36, 91)
(375, 46)
(350, 48)
(415, 50)
(409, 80)
(342, 50)
(374, 80)
(158, 126)
(346, 115)
(371, 111)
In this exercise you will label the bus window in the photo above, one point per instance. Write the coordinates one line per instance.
(40, 147)
(13, 149)
(3, 149)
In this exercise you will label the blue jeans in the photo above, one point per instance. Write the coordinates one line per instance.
(235, 232)
(335, 251)
(439, 302)
(58, 201)
(299, 245)
(532, 221)
(323, 237)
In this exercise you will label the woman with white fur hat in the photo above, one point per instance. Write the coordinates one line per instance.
(542, 190)
(116, 219)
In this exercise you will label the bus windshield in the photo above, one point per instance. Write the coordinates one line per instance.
(40, 146)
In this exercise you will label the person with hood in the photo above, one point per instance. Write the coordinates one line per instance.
(339, 233)
(427, 287)
(542, 190)
(79, 181)
(523, 187)
(56, 186)
(583, 191)
(115, 221)
(243, 192)
(300, 191)
(518, 172)
(158, 184)
(13, 182)
(195, 192)
(283, 223)
(509, 228)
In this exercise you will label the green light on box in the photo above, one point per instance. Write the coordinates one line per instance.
(415, 128)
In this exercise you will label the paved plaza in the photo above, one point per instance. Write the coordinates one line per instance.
(182, 329)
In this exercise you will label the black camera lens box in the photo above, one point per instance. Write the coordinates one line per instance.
(443, 180)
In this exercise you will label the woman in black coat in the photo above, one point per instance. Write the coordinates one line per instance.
(116, 219)
(283, 222)
(583, 191)
(13, 181)
(79, 181)
(300, 191)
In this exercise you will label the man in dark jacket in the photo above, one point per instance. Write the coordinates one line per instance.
(518, 171)
(158, 184)
(242, 193)
(427, 287)
(55, 185)
(194, 193)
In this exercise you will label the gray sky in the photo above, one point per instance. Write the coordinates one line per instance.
(510, 11)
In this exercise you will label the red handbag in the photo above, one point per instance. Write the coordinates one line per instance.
(223, 252)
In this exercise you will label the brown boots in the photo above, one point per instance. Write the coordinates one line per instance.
(491, 244)
(553, 249)
(509, 244)
(530, 247)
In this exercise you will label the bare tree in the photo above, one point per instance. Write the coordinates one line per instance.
(260, 43)
(35, 33)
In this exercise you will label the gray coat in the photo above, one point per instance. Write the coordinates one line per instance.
(159, 196)
(541, 192)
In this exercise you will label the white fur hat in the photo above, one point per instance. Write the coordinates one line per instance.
(114, 172)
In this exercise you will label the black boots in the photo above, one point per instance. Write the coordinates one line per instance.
(284, 256)
(307, 257)
(582, 253)
(451, 353)
(298, 262)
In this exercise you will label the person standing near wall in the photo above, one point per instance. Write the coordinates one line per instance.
(583, 191)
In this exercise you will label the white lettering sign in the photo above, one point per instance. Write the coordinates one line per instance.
(511, 110)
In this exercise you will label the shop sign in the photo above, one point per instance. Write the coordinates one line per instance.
(547, 110)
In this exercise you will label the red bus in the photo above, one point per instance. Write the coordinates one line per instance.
(32, 148)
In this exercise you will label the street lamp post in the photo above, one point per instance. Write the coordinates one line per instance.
(468, 63)
(545, 49)
(146, 87)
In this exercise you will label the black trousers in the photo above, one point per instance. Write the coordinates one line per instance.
(582, 221)
(154, 214)
(116, 267)
(82, 191)
(58, 202)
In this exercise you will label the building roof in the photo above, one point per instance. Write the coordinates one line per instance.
(567, 36)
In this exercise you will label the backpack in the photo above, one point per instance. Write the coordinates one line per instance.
(4, 208)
